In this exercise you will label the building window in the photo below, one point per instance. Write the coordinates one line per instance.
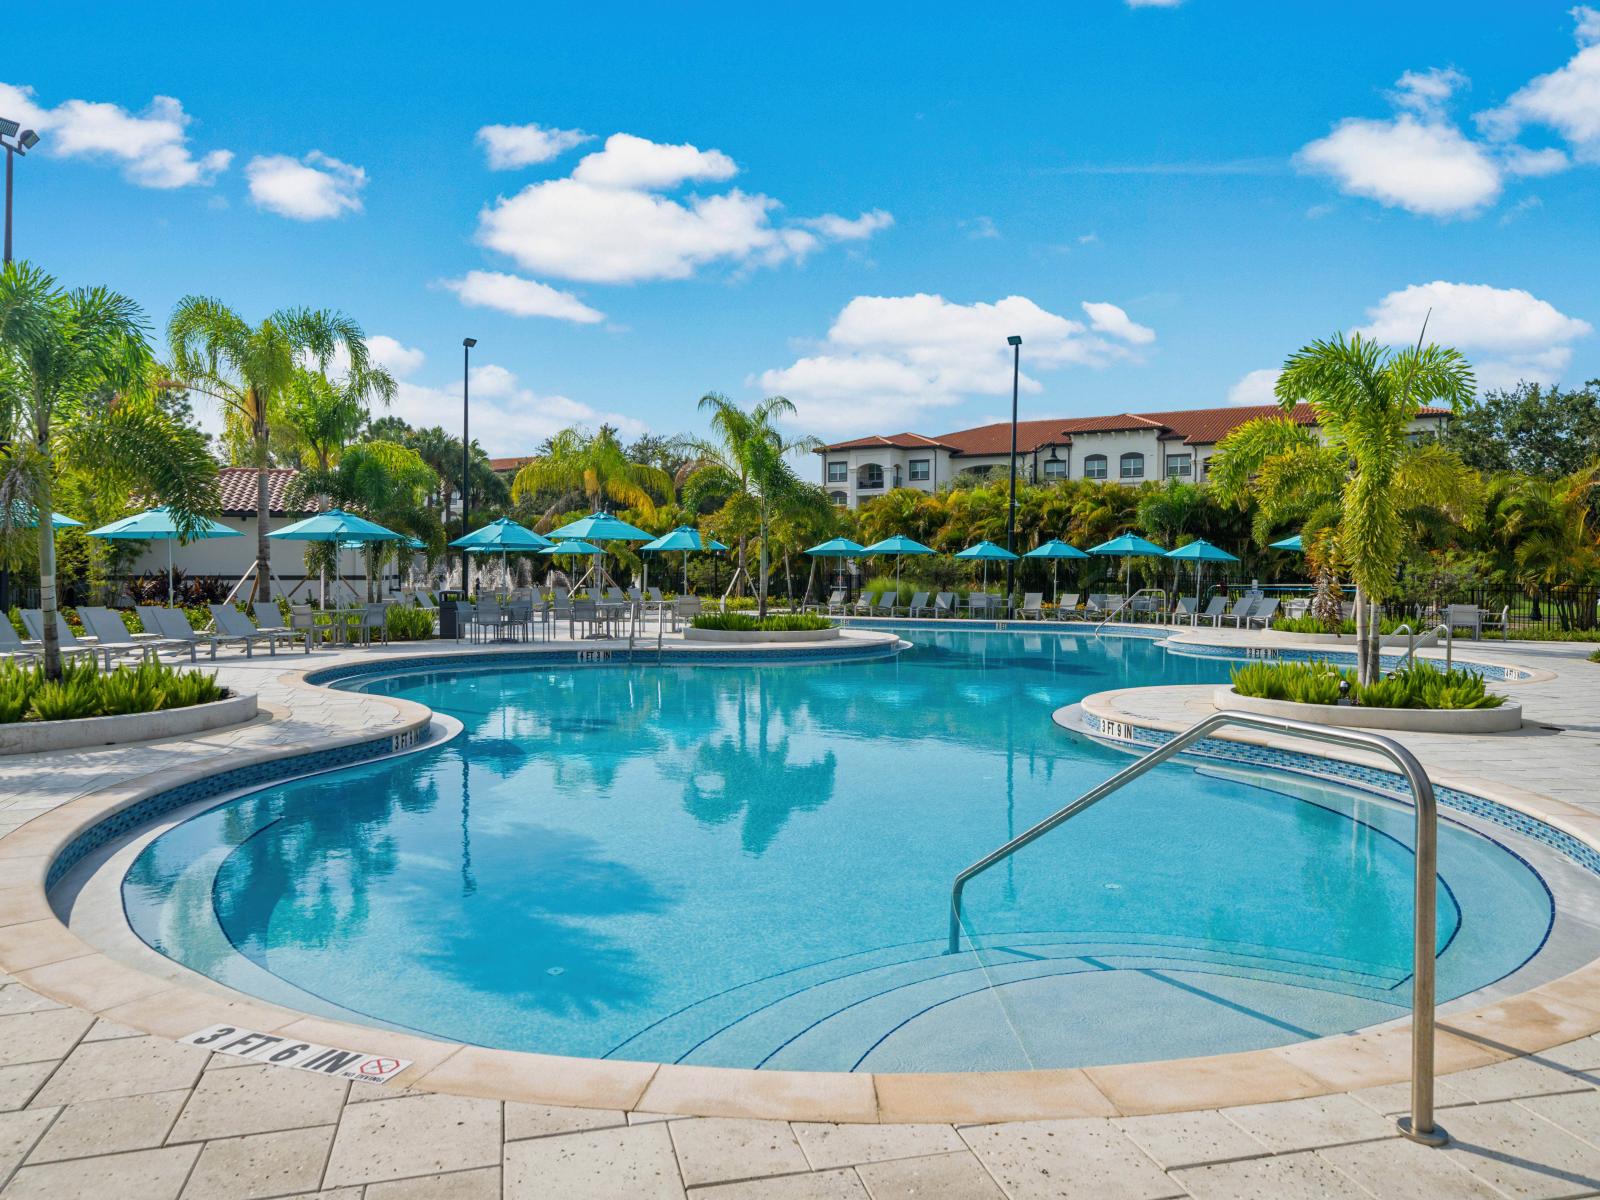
(838, 472)
(1056, 468)
(839, 498)
(1094, 467)
(1205, 468)
(1133, 466)
(921, 470)
(1179, 466)
(869, 477)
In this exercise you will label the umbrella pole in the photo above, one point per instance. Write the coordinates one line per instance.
(170, 596)
(685, 573)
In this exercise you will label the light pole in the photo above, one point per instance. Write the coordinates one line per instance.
(1015, 343)
(466, 455)
(16, 140)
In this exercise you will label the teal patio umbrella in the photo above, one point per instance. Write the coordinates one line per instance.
(899, 545)
(986, 553)
(684, 538)
(155, 525)
(572, 547)
(1128, 547)
(336, 525)
(839, 547)
(1201, 552)
(502, 536)
(600, 527)
(1290, 543)
(26, 516)
(1055, 550)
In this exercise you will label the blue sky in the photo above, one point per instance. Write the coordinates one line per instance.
(850, 204)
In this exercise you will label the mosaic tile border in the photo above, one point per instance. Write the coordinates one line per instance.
(1376, 780)
(1345, 658)
(962, 625)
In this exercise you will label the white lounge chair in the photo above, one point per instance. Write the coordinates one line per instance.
(1240, 612)
(1213, 612)
(1262, 613)
(1032, 606)
(112, 638)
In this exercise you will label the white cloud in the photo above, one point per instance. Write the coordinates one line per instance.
(888, 360)
(152, 146)
(510, 146)
(981, 228)
(506, 418)
(1427, 92)
(609, 223)
(313, 189)
(1114, 322)
(1566, 100)
(1423, 166)
(520, 297)
(1518, 160)
(1509, 333)
(635, 162)
(398, 359)
(1255, 387)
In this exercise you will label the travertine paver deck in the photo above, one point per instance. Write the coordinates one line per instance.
(92, 1109)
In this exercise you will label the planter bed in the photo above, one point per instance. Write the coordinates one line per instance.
(1350, 716)
(750, 636)
(30, 737)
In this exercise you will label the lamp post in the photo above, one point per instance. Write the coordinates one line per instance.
(15, 140)
(466, 455)
(1015, 343)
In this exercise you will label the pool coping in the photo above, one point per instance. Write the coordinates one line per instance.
(41, 952)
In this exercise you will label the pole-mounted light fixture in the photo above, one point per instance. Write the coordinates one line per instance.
(466, 452)
(1015, 342)
(14, 140)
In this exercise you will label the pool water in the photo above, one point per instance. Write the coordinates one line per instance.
(749, 865)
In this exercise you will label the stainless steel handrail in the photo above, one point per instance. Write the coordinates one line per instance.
(1412, 635)
(1419, 1126)
(1128, 603)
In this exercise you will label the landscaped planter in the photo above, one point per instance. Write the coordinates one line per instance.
(1351, 716)
(29, 737)
(761, 635)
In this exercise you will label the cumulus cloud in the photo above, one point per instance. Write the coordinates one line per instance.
(510, 146)
(151, 146)
(980, 228)
(1509, 333)
(1566, 100)
(1114, 322)
(610, 221)
(507, 417)
(1427, 92)
(520, 297)
(1423, 166)
(1255, 387)
(398, 359)
(888, 361)
(314, 188)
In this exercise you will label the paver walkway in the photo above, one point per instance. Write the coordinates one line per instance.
(91, 1109)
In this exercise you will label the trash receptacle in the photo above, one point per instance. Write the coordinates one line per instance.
(447, 615)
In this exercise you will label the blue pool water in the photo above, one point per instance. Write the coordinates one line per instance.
(748, 865)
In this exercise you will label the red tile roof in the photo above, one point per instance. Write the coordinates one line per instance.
(510, 464)
(996, 439)
(904, 441)
(237, 486)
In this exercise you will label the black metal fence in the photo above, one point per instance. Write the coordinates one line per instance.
(1559, 608)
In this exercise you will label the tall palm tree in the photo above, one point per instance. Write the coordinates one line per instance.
(1365, 398)
(748, 461)
(246, 368)
(73, 373)
(324, 415)
(593, 469)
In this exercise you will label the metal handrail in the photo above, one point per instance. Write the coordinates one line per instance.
(1128, 603)
(1419, 1126)
(1412, 635)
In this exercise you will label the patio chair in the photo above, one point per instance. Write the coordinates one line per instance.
(112, 638)
(269, 617)
(230, 622)
(33, 622)
(1032, 606)
(944, 604)
(584, 620)
(1464, 616)
(303, 621)
(1263, 613)
(685, 609)
(863, 605)
(1184, 612)
(978, 604)
(173, 623)
(920, 605)
(490, 617)
(12, 645)
(1067, 607)
(1143, 606)
(1240, 611)
(886, 604)
(1213, 612)
(464, 611)
(834, 601)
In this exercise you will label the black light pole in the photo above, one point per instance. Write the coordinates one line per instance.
(15, 140)
(466, 454)
(1015, 343)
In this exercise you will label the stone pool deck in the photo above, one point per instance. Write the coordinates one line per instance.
(94, 1108)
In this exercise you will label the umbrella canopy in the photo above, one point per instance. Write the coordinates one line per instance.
(336, 525)
(414, 543)
(1055, 548)
(26, 516)
(156, 525)
(898, 544)
(601, 527)
(987, 551)
(572, 546)
(503, 536)
(1129, 544)
(684, 537)
(839, 547)
(713, 544)
(1201, 550)
(1290, 543)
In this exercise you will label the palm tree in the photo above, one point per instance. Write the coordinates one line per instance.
(74, 369)
(1365, 398)
(247, 368)
(1542, 532)
(749, 463)
(323, 416)
(592, 469)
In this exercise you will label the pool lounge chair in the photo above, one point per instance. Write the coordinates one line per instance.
(1067, 607)
(919, 600)
(685, 609)
(1183, 614)
(944, 604)
(229, 622)
(112, 638)
(33, 622)
(1464, 616)
(12, 645)
(1263, 613)
(1240, 612)
(1213, 612)
(1032, 606)
(886, 604)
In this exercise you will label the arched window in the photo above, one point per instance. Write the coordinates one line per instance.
(839, 498)
(1133, 465)
(870, 476)
(1094, 467)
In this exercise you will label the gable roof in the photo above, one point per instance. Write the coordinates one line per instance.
(237, 487)
(902, 441)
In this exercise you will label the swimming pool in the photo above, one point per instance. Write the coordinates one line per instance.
(749, 865)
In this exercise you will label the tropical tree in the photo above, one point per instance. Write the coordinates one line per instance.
(592, 469)
(1365, 398)
(1542, 536)
(748, 463)
(247, 369)
(74, 369)
(324, 415)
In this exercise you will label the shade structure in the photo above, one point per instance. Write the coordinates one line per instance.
(1128, 546)
(600, 527)
(684, 538)
(156, 524)
(572, 546)
(1290, 543)
(1055, 550)
(1200, 552)
(502, 536)
(986, 553)
(26, 516)
(899, 545)
(336, 525)
(839, 547)
(414, 543)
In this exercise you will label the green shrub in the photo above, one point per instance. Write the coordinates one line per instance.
(16, 691)
(1310, 624)
(82, 691)
(131, 689)
(740, 603)
(409, 624)
(1420, 685)
(775, 623)
(74, 695)
(186, 688)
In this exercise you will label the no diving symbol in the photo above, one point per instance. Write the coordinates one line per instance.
(380, 1066)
